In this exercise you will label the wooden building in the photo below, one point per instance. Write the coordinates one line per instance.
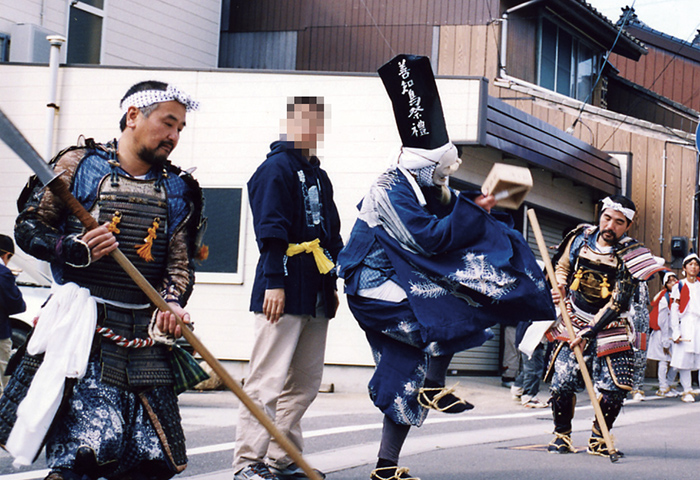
(670, 69)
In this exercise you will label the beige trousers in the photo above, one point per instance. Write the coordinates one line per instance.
(286, 367)
(5, 351)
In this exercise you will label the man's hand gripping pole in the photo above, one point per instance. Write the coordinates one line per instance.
(16, 141)
(614, 457)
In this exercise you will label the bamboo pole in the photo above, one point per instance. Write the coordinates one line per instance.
(614, 457)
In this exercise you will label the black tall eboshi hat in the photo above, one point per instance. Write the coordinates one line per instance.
(410, 83)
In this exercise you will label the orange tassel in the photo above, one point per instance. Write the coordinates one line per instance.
(202, 253)
(144, 250)
(116, 218)
(605, 288)
(577, 279)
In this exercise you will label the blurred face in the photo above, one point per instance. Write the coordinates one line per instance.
(692, 268)
(158, 134)
(613, 226)
(447, 166)
(671, 282)
(305, 126)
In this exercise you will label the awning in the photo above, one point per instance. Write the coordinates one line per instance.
(523, 136)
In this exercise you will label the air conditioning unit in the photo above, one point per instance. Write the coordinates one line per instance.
(29, 44)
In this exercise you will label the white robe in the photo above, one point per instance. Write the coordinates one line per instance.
(686, 327)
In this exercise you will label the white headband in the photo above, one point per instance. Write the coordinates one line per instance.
(145, 98)
(627, 212)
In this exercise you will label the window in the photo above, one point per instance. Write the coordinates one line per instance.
(225, 210)
(566, 64)
(85, 31)
(4, 47)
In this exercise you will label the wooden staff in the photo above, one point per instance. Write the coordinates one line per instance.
(60, 188)
(614, 457)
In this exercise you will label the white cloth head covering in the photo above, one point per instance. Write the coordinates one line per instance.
(420, 159)
(667, 276)
(144, 98)
(627, 212)
(692, 256)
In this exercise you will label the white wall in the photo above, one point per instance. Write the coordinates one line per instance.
(226, 140)
(153, 33)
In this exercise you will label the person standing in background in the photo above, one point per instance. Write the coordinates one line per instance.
(297, 228)
(685, 325)
(639, 311)
(11, 302)
(660, 343)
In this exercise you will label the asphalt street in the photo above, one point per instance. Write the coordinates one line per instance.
(499, 439)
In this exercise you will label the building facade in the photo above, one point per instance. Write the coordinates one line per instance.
(522, 82)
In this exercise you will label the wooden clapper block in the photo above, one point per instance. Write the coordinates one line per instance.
(509, 184)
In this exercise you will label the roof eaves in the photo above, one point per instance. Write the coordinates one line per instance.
(628, 45)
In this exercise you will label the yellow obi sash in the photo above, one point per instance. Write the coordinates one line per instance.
(314, 246)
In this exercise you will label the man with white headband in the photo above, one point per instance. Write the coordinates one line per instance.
(598, 269)
(427, 269)
(118, 417)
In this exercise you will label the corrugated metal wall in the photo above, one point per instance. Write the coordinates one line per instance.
(264, 50)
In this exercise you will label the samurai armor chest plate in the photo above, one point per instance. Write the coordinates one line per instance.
(594, 279)
(137, 211)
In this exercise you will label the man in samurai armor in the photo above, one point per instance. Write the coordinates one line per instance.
(97, 381)
(597, 271)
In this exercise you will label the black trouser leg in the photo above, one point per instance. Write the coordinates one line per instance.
(610, 405)
(393, 437)
(563, 405)
(437, 370)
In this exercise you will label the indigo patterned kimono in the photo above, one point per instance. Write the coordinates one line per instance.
(462, 271)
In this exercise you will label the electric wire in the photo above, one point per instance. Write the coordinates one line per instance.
(374, 21)
(634, 104)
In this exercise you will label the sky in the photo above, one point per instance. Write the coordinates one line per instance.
(679, 18)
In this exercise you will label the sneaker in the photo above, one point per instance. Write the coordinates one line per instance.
(293, 472)
(391, 473)
(597, 446)
(687, 397)
(535, 402)
(561, 444)
(638, 396)
(507, 381)
(255, 471)
(516, 392)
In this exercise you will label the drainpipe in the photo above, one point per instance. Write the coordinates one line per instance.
(504, 33)
(52, 109)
